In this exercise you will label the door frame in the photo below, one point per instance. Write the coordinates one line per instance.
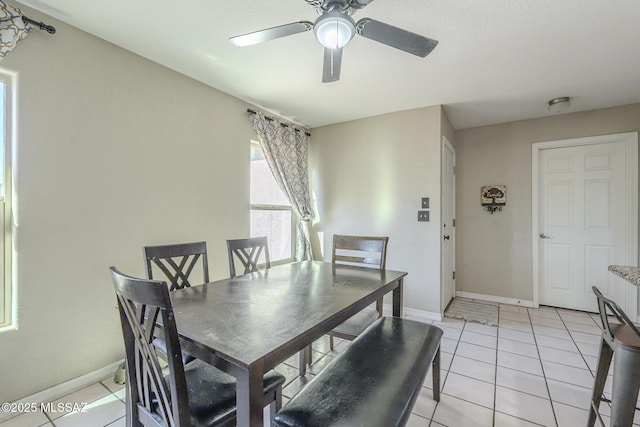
(631, 143)
(446, 145)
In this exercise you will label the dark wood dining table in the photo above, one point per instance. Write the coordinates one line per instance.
(248, 325)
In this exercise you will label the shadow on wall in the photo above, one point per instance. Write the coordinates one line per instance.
(317, 242)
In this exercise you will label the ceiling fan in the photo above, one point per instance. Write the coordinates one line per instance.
(334, 28)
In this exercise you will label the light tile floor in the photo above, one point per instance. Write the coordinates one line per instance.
(535, 369)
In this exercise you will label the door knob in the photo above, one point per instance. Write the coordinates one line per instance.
(446, 237)
(545, 236)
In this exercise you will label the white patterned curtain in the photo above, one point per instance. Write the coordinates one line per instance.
(12, 28)
(286, 151)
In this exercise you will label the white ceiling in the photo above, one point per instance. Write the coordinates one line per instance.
(497, 60)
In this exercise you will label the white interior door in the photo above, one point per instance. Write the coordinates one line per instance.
(448, 230)
(583, 225)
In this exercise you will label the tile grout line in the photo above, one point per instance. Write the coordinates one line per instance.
(517, 370)
(476, 379)
(540, 360)
(559, 363)
(495, 370)
(553, 409)
(115, 421)
(113, 392)
(443, 381)
(495, 385)
(575, 343)
(585, 360)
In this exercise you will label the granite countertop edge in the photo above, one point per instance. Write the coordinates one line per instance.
(629, 273)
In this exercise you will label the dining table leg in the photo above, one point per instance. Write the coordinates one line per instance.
(250, 398)
(397, 299)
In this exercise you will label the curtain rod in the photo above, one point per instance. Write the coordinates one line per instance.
(270, 119)
(48, 28)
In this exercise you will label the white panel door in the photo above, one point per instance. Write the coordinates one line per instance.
(582, 215)
(448, 230)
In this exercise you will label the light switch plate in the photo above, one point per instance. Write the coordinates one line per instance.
(423, 216)
(425, 203)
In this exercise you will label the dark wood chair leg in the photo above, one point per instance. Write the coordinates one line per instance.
(302, 368)
(604, 362)
(276, 404)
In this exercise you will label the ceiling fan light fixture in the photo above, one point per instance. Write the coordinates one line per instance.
(559, 105)
(334, 30)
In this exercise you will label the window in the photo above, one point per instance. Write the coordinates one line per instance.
(271, 213)
(5, 202)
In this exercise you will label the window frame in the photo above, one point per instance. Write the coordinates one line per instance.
(7, 291)
(269, 207)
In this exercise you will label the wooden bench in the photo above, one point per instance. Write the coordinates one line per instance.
(374, 382)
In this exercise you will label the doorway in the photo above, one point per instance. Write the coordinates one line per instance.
(584, 218)
(448, 234)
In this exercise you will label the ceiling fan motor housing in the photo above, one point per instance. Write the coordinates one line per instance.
(334, 29)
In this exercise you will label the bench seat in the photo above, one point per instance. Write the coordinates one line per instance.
(374, 382)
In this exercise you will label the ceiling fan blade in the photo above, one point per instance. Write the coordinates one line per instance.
(412, 43)
(271, 33)
(331, 65)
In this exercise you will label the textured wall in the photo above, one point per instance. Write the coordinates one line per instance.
(368, 178)
(494, 252)
(113, 152)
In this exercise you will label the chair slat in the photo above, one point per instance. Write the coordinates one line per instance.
(177, 262)
(360, 250)
(248, 253)
(357, 260)
(360, 243)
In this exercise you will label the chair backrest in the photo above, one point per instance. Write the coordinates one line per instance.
(360, 250)
(606, 306)
(248, 252)
(153, 398)
(177, 262)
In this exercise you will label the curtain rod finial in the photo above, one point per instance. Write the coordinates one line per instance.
(48, 28)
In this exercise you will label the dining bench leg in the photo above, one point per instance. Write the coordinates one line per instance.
(435, 368)
(397, 299)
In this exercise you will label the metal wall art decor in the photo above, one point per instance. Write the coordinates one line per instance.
(493, 197)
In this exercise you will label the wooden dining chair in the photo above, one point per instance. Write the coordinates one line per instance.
(177, 262)
(248, 252)
(360, 251)
(196, 394)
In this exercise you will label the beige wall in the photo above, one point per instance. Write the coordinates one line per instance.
(113, 152)
(373, 173)
(494, 252)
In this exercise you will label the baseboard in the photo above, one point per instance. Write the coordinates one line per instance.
(65, 388)
(491, 298)
(422, 315)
